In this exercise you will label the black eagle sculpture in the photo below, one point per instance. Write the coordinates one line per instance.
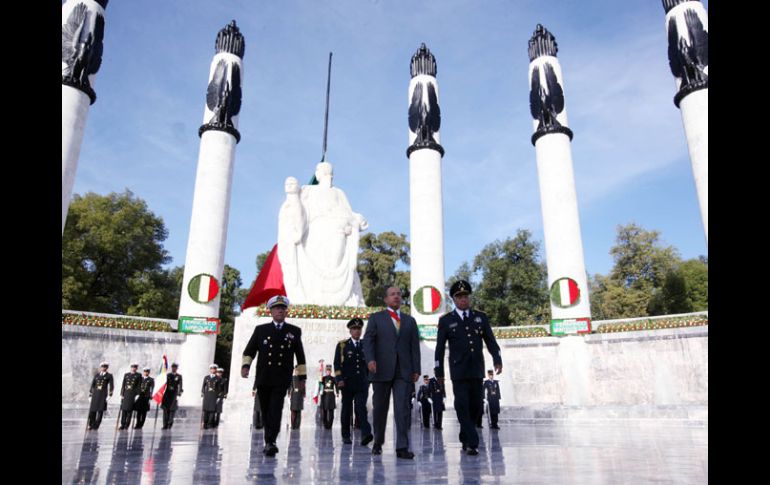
(81, 50)
(546, 103)
(688, 60)
(424, 118)
(223, 96)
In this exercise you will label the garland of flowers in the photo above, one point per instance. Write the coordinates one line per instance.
(693, 321)
(114, 322)
(513, 332)
(324, 312)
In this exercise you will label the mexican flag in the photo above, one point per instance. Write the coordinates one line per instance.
(203, 288)
(565, 292)
(269, 282)
(427, 299)
(158, 396)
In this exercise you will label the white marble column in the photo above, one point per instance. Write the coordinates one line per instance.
(687, 28)
(426, 209)
(552, 141)
(211, 204)
(82, 41)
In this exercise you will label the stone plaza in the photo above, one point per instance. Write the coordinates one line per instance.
(548, 451)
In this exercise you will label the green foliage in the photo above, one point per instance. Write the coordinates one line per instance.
(513, 281)
(685, 290)
(112, 252)
(377, 258)
(261, 258)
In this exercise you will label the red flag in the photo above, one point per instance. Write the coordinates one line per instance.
(269, 282)
(158, 396)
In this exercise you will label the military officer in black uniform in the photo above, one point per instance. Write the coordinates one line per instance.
(174, 389)
(352, 374)
(129, 391)
(437, 394)
(296, 400)
(277, 343)
(224, 387)
(493, 398)
(328, 400)
(423, 395)
(465, 329)
(210, 390)
(142, 404)
(102, 386)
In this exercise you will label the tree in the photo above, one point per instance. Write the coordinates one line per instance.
(513, 281)
(685, 290)
(261, 258)
(378, 255)
(112, 253)
(634, 285)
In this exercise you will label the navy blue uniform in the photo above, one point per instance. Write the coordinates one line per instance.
(129, 391)
(437, 393)
(350, 367)
(275, 351)
(466, 365)
(493, 399)
(423, 395)
(101, 385)
(142, 404)
(174, 389)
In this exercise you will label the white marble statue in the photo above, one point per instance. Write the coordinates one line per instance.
(318, 237)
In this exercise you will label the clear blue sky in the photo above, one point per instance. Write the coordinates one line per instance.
(629, 150)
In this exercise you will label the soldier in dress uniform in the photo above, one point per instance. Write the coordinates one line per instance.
(224, 387)
(210, 390)
(277, 343)
(423, 395)
(143, 401)
(328, 400)
(352, 374)
(102, 386)
(493, 398)
(465, 330)
(174, 389)
(129, 390)
(437, 394)
(296, 400)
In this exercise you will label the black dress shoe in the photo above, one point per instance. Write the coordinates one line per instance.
(465, 447)
(494, 427)
(472, 451)
(347, 440)
(376, 450)
(405, 454)
(367, 439)
(271, 450)
(437, 427)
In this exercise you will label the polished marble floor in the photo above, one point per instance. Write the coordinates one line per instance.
(552, 452)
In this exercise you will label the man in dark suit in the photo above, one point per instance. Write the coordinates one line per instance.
(174, 389)
(437, 394)
(353, 379)
(129, 391)
(392, 349)
(465, 329)
(142, 405)
(225, 386)
(102, 385)
(210, 390)
(492, 387)
(423, 396)
(277, 343)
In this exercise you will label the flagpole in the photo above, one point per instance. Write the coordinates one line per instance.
(326, 115)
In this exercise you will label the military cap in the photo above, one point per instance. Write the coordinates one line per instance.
(490, 371)
(104, 364)
(425, 377)
(213, 366)
(219, 369)
(146, 369)
(355, 323)
(328, 366)
(460, 287)
(174, 365)
(277, 300)
(135, 365)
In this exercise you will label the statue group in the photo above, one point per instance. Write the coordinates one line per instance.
(318, 236)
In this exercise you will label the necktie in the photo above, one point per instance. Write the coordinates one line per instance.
(465, 315)
(394, 315)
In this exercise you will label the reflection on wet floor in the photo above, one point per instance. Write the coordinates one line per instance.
(549, 453)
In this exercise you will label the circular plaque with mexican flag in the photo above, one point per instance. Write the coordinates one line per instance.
(203, 288)
(427, 300)
(565, 293)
